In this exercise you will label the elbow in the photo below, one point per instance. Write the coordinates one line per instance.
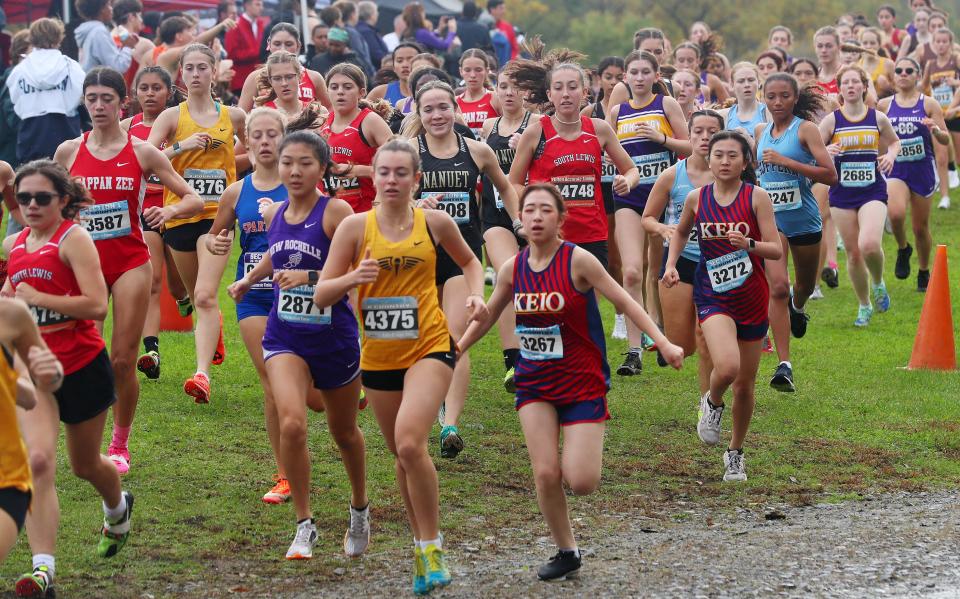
(99, 312)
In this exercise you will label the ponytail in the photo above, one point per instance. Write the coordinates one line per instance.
(810, 102)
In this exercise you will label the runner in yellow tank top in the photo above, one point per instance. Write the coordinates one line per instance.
(407, 355)
(19, 333)
(198, 137)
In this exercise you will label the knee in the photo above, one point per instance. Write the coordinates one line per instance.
(725, 373)
(854, 255)
(43, 465)
(205, 299)
(870, 248)
(293, 430)
(85, 468)
(584, 484)
(121, 361)
(920, 229)
(632, 275)
(547, 477)
(348, 438)
(410, 450)
(779, 289)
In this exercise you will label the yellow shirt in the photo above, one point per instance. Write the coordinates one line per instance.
(400, 314)
(14, 465)
(208, 171)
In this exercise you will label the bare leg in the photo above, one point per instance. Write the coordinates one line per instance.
(341, 406)
(290, 380)
(251, 330)
(454, 295)
(743, 391)
(630, 240)
(131, 297)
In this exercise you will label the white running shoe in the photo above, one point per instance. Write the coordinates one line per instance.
(735, 466)
(357, 538)
(840, 246)
(619, 327)
(490, 276)
(944, 203)
(817, 293)
(303, 542)
(708, 426)
(954, 179)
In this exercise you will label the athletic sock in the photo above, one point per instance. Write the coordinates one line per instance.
(120, 436)
(880, 285)
(299, 522)
(203, 373)
(574, 550)
(636, 350)
(738, 450)
(151, 344)
(438, 542)
(510, 357)
(951, 166)
(787, 362)
(715, 406)
(45, 559)
(794, 305)
(115, 513)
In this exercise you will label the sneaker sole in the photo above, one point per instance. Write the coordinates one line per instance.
(146, 365)
(783, 387)
(196, 392)
(113, 550)
(451, 446)
(736, 478)
(275, 500)
(346, 552)
(627, 371)
(298, 556)
(572, 575)
(28, 588)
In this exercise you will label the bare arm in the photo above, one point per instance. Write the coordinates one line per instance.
(629, 176)
(448, 236)
(338, 277)
(224, 221)
(526, 146)
(501, 297)
(889, 142)
(657, 203)
(680, 142)
(821, 172)
(487, 161)
(155, 162)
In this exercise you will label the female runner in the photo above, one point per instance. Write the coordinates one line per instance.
(562, 372)
(244, 203)
(198, 137)
(307, 347)
(477, 103)
(690, 56)
(284, 36)
(916, 118)
(791, 157)
(54, 268)
(667, 198)
(747, 113)
(686, 86)
(652, 130)
(736, 230)
(390, 255)
(864, 147)
(282, 75)
(768, 63)
(451, 165)
(941, 79)
(826, 42)
(354, 131)
(873, 62)
(499, 237)
(399, 90)
(113, 164)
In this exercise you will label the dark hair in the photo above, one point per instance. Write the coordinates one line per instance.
(772, 56)
(799, 61)
(223, 6)
(330, 15)
(63, 183)
(438, 75)
(476, 53)
(286, 28)
(551, 189)
(532, 75)
(809, 99)
(106, 77)
(912, 61)
(409, 44)
(124, 8)
(384, 77)
(645, 34)
(659, 87)
(347, 9)
(492, 4)
(782, 28)
(784, 57)
(749, 175)
(470, 10)
(413, 17)
(889, 9)
(171, 26)
(319, 26)
(708, 112)
(174, 95)
(610, 61)
(321, 151)
(90, 9)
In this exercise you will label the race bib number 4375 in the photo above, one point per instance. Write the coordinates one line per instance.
(390, 317)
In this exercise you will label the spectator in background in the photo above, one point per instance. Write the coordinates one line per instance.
(93, 38)
(498, 9)
(319, 40)
(227, 9)
(392, 40)
(368, 14)
(128, 16)
(418, 30)
(5, 42)
(243, 42)
(46, 89)
(9, 121)
(348, 22)
(176, 33)
(338, 41)
(471, 33)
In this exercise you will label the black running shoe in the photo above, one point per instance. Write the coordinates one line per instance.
(830, 276)
(632, 365)
(660, 361)
(902, 269)
(783, 379)
(563, 565)
(798, 320)
(923, 279)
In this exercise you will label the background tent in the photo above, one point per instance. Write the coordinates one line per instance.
(22, 12)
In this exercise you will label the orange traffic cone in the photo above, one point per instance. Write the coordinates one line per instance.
(170, 319)
(933, 348)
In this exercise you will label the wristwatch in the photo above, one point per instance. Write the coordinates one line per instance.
(313, 277)
(751, 244)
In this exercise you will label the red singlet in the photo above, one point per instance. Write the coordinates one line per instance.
(75, 342)
(350, 147)
(574, 167)
(153, 198)
(475, 113)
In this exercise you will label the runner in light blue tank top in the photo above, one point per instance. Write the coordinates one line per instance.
(794, 206)
(678, 195)
(746, 83)
(735, 122)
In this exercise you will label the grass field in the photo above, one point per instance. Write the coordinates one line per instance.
(857, 424)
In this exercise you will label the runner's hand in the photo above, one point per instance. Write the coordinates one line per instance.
(476, 308)
(773, 157)
(620, 185)
(833, 149)
(288, 279)
(738, 240)
(27, 293)
(45, 369)
(219, 245)
(197, 141)
(239, 288)
(157, 215)
(367, 271)
(430, 202)
(885, 162)
(673, 354)
(670, 277)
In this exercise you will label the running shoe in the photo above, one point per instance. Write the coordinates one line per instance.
(864, 314)
(437, 573)
(149, 364)
(647, 343)
(280, 493)
(840, 246)
(357, 537)
(563, 565)
(442, 414)
(632, 366)
(734, 466)
(798, 320)
(766, 347)
(902, 268)
(114, 535)
(303, 541)
(830, 276)
(219, 354)
(881, 298)
(923, 280)
(661, 362)
(490, 276)
(363, 400)
(783, 379)
(619, 327)
(419, 572)
(185, 306)
(817, 293)
(36, 584)
(451, 444)
(120, 456)
(508, 383)
(944, 203)
(708, 420)
(198, 387)
(954, 179)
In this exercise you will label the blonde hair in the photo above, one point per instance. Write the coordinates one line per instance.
(202, 49)
(46, 33)
(264, 111)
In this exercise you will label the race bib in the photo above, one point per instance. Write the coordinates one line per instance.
(607, 171)
(911, 150)
(454, 203)
(496, 197)
(578, 191)
(651, 165)
(390, 317)
(343, 186)
(48, 319)
(857, 174)
(208, 183)
(539, 344)
(729, 271)
(250, 261)
(943, 94)
(296, 305)
(107, 221)
(784, 195)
